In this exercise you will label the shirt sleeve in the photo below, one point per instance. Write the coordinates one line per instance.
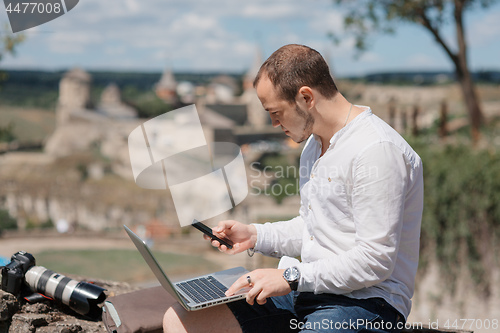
(278, 239)
(380, 175)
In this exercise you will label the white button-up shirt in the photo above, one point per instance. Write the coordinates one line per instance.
(361, 208)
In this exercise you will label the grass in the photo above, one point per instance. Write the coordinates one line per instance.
(32, 125)
(118, 265)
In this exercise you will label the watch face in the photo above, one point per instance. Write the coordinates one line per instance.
(292, 274)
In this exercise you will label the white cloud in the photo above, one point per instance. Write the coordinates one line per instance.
(420, 60)
(371, 57)
(193, 21)
(207, 35)
(327, 21)
(273, 11)
(286, 38)
(72, 42)
(189, 33)
(133, 6)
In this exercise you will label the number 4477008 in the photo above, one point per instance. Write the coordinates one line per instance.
(34, 7)
(472, 324)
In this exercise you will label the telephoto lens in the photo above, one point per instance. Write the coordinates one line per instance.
(82, 297)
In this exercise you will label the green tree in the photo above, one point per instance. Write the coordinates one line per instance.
(7, 222)
(8, 43)
(7, 133)
(368, 16)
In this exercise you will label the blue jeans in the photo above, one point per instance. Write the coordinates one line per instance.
(308, 312)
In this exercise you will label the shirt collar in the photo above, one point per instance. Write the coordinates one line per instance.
(367, 112)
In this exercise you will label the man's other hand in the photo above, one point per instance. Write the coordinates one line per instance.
(264, 283)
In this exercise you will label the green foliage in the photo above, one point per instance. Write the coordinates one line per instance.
(285, 181)
(7, 133)
(48, 224)
(30, 89)
(7, 222)
(148, 105)
(31, 224)
(364, 17)
(35, 224)
(8, 41)
(83, 171)
(40, 97)
(461, 218)
(281, 188)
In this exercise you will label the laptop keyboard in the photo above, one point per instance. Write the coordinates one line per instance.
(203, 289)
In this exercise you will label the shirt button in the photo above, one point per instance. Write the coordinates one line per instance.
(312, 175)
(312, 237)
(329, 179)
(309, 206)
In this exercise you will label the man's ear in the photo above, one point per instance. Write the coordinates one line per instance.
(305, 97)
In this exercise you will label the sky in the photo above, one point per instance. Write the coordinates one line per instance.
(226, 35)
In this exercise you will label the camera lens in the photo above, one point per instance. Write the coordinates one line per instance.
(80, 296)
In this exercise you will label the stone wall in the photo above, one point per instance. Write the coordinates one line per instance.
(49, 316)
(80, 190)
(465, 306)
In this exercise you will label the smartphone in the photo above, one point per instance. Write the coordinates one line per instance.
(208, 231)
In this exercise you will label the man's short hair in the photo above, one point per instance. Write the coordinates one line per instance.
(293, 66)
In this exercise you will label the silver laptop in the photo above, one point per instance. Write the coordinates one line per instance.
(196, 293)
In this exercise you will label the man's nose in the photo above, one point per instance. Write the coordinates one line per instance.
(274, 121)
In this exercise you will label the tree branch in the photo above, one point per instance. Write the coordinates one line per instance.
(426, 22)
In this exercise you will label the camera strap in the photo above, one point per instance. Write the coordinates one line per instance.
(37, 297)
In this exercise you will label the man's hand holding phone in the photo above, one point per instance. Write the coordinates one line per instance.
(210, 235)
(241, 235)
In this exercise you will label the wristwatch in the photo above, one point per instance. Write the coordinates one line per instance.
(292, 276)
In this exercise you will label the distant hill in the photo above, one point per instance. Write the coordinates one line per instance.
(39, 89)
(32, 88)
(426, 77)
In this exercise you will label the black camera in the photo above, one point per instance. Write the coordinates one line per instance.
(13, 272)
(22, 273)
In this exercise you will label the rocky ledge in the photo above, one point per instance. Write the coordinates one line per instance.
(49, 316)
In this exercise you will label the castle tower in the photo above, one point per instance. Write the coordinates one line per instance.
(74, 94)
(166, 88)
(111, 104)
(111, 94)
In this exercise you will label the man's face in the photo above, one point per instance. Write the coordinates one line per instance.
(294, 121)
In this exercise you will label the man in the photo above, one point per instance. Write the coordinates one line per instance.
(359, 225)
